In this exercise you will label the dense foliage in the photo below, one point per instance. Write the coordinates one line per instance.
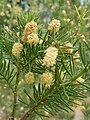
(44, 60)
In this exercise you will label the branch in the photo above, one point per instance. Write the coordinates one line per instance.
(15, 95)
(30, 113)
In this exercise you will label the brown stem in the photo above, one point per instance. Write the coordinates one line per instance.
(30, 113)
(15, 95)
(11, 118)
(26, 116)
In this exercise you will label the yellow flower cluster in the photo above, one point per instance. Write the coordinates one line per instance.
(30, 27)
(30, 35)
(46, 79)
(54, 25)
(33, 39)
(16, 49)
(29, 77)
(50, 57)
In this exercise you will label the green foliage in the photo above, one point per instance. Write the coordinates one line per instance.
(7, 73)
(36, 99)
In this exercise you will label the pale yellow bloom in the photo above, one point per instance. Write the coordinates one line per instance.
(6, 28)
(65, 19)
(68, 20)
(9, 6)
(62, 76)
(33, 39)
(67, 48)
(82, 36)
(18, 33)
(80, 80)
(72, 23)
(50, 57)
(54, 25)
(14, 22)
(29, 29)
(2, 14)
(46, 79)
(16, 49)
(64, 12)
(76, 57)
(78, 103)
(29, 77)
(41, 41)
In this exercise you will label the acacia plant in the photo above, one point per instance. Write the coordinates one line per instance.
(51, 63)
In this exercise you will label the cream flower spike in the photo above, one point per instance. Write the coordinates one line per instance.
(16, 49)
(29, 77)
(46, 79)
(30, 28)
(50, 57)
(54, 25)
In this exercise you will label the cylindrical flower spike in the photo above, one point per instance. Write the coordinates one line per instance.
(29, 77)
(29, 29)
(33, 39)
(54, 25)
(46, 79)
(16, 49)
(50, 57)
